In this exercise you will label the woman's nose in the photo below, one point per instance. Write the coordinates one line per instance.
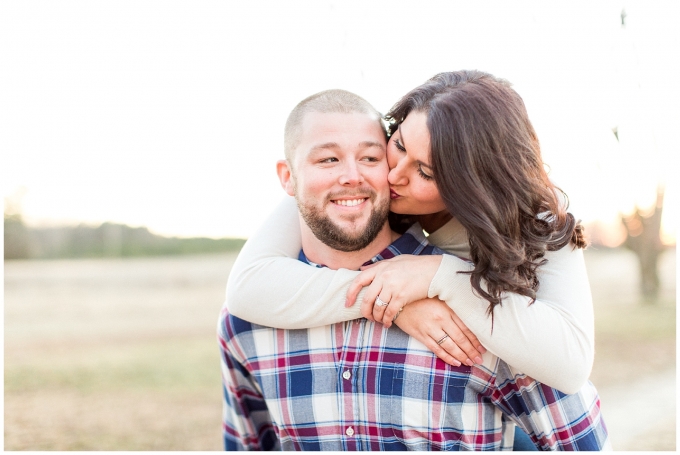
(397, 176)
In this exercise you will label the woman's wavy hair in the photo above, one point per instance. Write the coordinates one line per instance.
(487, 165)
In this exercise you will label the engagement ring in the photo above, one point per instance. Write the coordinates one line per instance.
(380, 302)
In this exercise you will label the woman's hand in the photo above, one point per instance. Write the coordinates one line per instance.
(392, 284)
(434, 324)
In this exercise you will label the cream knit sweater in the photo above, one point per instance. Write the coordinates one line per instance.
(551, 340)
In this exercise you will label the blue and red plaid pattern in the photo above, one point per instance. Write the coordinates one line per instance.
(358, 386)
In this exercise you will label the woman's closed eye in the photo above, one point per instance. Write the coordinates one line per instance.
(423, 174)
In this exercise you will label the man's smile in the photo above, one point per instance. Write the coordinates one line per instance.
(349, 202)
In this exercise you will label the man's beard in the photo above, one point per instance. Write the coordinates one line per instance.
(334, 236)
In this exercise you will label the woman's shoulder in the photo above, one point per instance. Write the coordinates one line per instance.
(452, 238)
(567, 260)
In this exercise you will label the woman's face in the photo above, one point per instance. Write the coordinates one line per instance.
(412, 187)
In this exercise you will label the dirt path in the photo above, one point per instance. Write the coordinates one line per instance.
(635, 351)
(641, 415)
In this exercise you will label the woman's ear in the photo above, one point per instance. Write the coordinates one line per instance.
(285, 177)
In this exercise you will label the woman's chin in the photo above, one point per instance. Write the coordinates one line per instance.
(400, 209)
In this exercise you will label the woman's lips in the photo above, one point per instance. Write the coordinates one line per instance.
(394, 194)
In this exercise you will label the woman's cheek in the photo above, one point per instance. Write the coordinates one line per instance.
(435, 200)
(391, 159)
(427, 197)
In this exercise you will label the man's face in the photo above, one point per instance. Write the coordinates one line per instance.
(339, 178)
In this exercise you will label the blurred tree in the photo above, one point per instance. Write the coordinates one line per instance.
(16, 238)
(105, 240)
(644, 239)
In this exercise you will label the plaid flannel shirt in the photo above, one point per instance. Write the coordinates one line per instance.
(358, 386)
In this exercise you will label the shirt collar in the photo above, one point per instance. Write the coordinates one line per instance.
(412, 241)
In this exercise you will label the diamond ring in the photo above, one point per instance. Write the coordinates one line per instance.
(380, 302)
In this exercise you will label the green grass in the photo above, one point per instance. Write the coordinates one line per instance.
(158, 366)
(162, 394)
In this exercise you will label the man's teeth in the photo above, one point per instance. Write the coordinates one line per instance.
(350, 202)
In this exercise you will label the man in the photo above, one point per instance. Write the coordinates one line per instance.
(357, 385)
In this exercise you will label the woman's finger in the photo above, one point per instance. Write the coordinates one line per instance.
(381, 302)
(458, 341)
(361, 280)
(468, 334)
(450, 346)
(391, 311)
(441, 352)
(368, 302)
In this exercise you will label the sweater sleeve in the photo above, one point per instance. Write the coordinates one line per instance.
(269, 286)
(551, 340)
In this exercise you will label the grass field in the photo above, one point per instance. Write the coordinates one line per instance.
(113, 354)
(120, 354)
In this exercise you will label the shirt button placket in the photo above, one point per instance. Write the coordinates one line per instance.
(347, 386)
(348, 371)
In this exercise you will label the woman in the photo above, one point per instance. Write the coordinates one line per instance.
(465, 160)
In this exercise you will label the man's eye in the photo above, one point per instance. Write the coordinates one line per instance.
(371, 159)
(328, 160)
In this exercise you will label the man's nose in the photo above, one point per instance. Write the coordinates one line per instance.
(351, 175)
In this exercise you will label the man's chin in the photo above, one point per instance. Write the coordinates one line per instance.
(345, 230)
(351, 228)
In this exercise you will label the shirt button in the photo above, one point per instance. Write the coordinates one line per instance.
(349, 431)
(347, 375)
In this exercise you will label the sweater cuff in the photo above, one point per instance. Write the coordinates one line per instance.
(447, 280)
(455, 289)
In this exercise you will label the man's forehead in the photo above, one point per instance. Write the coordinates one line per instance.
(316, 118)
(331, 145)
(318, 131)
(324, 129)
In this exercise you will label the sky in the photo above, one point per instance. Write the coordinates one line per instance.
(170, 114)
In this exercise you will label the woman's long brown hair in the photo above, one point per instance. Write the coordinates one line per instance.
(487, 165)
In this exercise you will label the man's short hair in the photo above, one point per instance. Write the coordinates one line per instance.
(328, 101)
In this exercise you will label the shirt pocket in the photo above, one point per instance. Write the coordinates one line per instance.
(300, 401)
(427, 407)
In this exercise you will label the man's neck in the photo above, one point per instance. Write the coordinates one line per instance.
(320, 253)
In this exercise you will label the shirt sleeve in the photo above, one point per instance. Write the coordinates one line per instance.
(552, 419)
(268, 285)
(246, 422)
(552, 339)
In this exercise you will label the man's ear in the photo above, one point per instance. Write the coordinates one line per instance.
(285, 176)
